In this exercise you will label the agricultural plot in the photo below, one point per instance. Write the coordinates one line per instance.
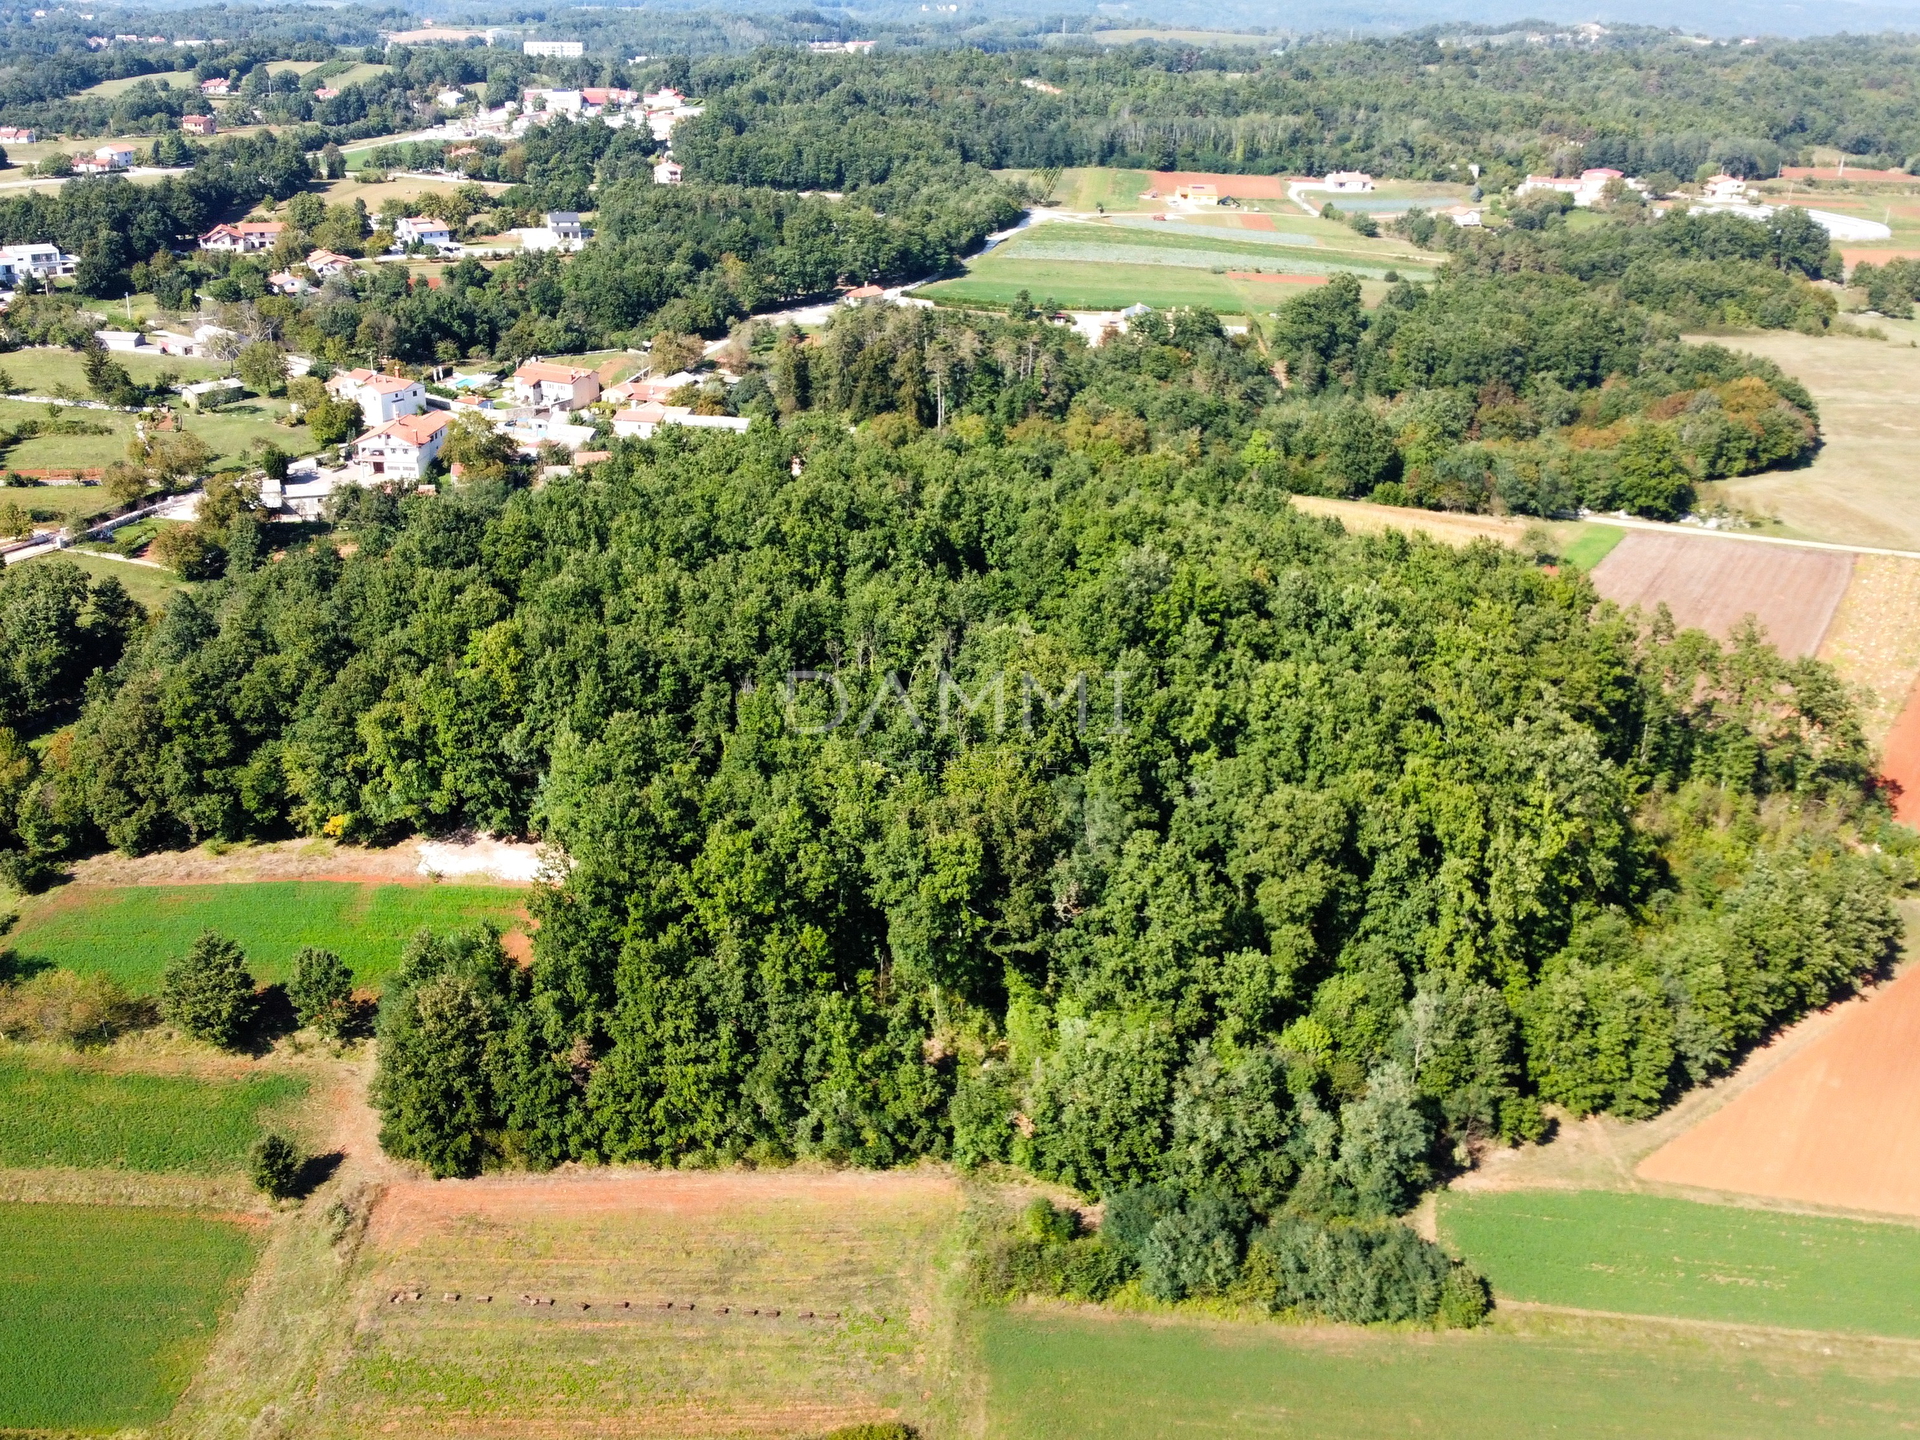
(1054, 1375)
(800, 1303)
(130, 932)
(109, 1311)
(1832, 1124)
(1713, 585)
(1653, 1255)
(84, 1114)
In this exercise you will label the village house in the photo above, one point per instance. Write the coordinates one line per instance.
(1587, 189)
(116, 153)
(218, 86)
(643, 421)
(199, 125)
(246, 237)
(328, 262)
(1349, 182)
(18, 133)
(1725, 190)
(667, 172)
(402, 449)
(422, 230)
(380, 397)
(539, 383)
(41, 262)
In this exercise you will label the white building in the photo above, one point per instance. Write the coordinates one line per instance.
(422, 230)
(328, 262)
(1725, 190)
(42, 262)
(667, 172)
(1348, 182)
(117, 154)
(557, 49)
(402, 449)
(1587, 189)
(642, 422)
(380, 397)
(539, 383)
(246, 237)
(450, 99)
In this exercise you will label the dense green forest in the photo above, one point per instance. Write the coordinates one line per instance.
(1036, 786)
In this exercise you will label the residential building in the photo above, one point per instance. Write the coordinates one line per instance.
(1349, 182)
(1587, 189)
(667, 172)
(172, 342)
(642, 422)
(863, 293)
(18, 133)
(91, 165)
(564, 102)
(247, 236)
(565, 224)
(380, 397)
(1462, 214)
(116, 153)
(199, 125)
(556, 49)
(327, 262)
(402, 449)
(541, 237)
(422, 230)
(450, 99)
(1725, 190)
(841, 47)
(539, 383)
(285, 282)
(326, 92)
(1198, 194)
(122, 340)
(665, 98)
(218, 86)
(42, 262)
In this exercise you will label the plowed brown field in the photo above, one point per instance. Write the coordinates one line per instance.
(1834, 1124)
(1712, 584)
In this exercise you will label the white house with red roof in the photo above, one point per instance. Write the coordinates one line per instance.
(380, 397)
(247, 236)
(422, 230)
(540, 383)
(402, 449)
(1587, 189)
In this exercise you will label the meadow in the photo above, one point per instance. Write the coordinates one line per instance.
(109, 1310)
(1649, 1255)
(151, 585)
(832, 1285)
(1590, 544)
(78, 1112)
(131, 932)
(1101, 1377)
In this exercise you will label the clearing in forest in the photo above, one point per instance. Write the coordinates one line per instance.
(849, 1274)
(130, 932)
(109, 1310)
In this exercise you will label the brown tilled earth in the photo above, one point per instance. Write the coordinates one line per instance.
(1712, 584)
(1833, 1124)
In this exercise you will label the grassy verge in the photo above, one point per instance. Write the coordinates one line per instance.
(153, 588)
(1646, 1255)
(1591, 544)
(1057, 1375)
(131, 932)
(108, 1311)
(68, 1111)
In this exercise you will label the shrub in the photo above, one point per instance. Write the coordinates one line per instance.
(208, 993)
(874, 1430)
(1359, 1272)
(322, 990)
(275, 1166)
(1194, 1250)
(71, 1009)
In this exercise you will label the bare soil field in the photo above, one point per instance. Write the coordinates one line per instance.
(293, 860)
(1832, 1125)
(1454, 529)
(1712, 584)
(1241, 187)
(1860, 489)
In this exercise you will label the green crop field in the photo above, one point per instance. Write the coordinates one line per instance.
(108, 1311)
(997, 281)
(130, 932)
(1645, 1255)
(72, 1112)
(1591, 544)
(1109, 1378)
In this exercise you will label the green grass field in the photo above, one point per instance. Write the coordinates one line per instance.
(227, 432)
(108, 1311)
(1645, 1255)
(1110, 1378)
(130, 932)
(152, 587)
(997, 281)
(1591, 544)
(72, 1112)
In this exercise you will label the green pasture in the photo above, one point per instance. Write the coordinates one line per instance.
(62, 503)
(131, 932)
(181, 80)
(994, 280)
(1647, 1255)
(1591, 544)
(70, 1111)
(229, 431)
(152, 586)
(1062, 1376)
(109, 1310)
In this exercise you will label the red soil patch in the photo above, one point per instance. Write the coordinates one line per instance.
(1832, 1125)
(1277, 279)
(1712, 585)
(1256, 220)
(408, 1207)
(1241, 187)
(1900, 762)
(1877, 257)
